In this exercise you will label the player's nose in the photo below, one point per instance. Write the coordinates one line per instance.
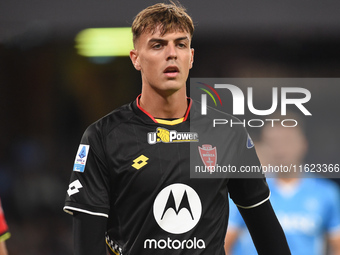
(171, 51)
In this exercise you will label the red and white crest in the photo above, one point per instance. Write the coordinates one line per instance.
(208, 155)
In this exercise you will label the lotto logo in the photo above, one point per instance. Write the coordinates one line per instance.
(74, 187)
(139, 162)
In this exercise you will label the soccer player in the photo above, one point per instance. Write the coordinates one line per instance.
(307, 208)
(131, 188)
(4, 234)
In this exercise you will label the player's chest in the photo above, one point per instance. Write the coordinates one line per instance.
(166, 152)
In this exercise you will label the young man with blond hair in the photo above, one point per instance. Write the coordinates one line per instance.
(131, 183)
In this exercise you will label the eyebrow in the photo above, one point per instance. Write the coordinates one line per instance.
(162, 40)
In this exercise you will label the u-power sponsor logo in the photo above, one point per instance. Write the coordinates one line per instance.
(171, 136)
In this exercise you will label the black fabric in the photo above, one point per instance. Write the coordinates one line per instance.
(89, 234)
(265, 230)
(132, 169)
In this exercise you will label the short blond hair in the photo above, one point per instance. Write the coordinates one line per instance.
(169, 17)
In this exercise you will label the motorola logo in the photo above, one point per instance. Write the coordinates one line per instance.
(177, 208)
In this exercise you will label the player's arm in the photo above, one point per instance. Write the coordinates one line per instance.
(265, 229)
(251, 195)
(3, 249)
(334, 243)
(88, 195)
(230, 239)
(333, 217)
(235, 226)
(89, 234)
(4, 236)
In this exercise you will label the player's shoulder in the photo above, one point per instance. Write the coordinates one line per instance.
(219, 119)
(326, 184)
(109, 122)
(211, 112)
(322, 187)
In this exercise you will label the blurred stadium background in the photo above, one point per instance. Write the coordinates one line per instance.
(50, 94)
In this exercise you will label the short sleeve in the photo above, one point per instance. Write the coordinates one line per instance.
(235, 219)
(249, 187)
(89, 190)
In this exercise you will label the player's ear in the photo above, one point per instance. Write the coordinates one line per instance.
(135, 59)
(192, 58)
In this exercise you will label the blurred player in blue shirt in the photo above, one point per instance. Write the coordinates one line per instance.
(307, 208)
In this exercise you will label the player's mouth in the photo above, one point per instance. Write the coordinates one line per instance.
(171, 71)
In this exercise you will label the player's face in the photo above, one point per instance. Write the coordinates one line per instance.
(164, 60)
(284, 145)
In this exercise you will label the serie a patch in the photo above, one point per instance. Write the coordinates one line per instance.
(81, 158)
(250, 143)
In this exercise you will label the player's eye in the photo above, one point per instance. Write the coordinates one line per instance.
(181, 45)
(157, 46)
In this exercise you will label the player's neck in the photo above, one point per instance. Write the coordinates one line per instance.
(164, 106)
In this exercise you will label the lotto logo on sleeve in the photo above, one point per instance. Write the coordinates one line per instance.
(81, 157)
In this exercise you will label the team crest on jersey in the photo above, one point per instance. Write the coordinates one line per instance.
(171, 136)
(81, 158)
(208, 155)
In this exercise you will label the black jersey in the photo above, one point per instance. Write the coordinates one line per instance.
(135, 170)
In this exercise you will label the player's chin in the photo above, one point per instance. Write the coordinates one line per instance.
(174, 84)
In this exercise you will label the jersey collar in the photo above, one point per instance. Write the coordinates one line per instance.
(149, 118)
